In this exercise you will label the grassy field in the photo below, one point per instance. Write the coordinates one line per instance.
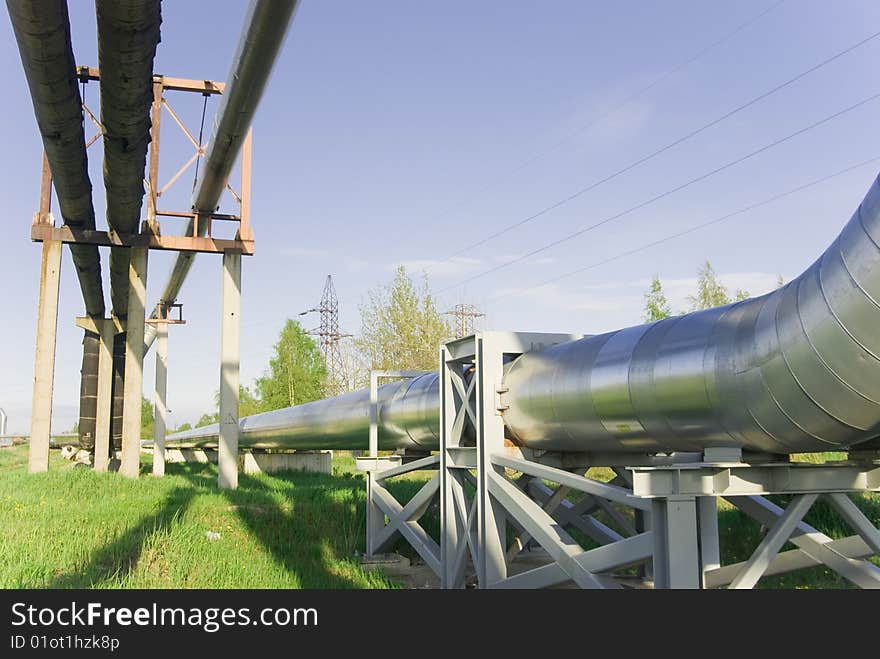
(73, 528)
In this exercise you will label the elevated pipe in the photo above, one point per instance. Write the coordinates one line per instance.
(267, 22)
(795, 370)
(128, 33)
(42, 31)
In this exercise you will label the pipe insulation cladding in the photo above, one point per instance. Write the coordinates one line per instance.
(795, 370)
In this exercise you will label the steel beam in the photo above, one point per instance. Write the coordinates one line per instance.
(674, 528)
(816, 545)
(770, 545)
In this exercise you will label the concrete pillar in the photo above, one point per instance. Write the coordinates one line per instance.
(134, 363)
(230, 343)
(44, 360)
(159, 406)
(105, 395)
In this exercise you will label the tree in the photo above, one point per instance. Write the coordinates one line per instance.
(147, 420)
(296, 373)
(248, 404)
(710, 291)
(401, 327)
(183, 426)
(741, 295)
(208, 419)
(780, 281)
(656, 304)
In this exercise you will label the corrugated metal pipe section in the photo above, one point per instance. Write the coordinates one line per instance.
(266, 26)
(128, 33)
(792, 371)
(42, 30)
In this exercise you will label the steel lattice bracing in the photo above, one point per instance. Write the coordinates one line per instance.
(464, 317)
(266, 23)
(329, 337)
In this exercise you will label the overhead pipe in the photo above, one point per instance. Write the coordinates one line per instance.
(795, 370)
(266, 23)
(128, 33)
(42, 30)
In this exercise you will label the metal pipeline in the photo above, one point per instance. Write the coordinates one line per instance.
(42, 30)
(128, 33)
(267, 22)
(795, 370)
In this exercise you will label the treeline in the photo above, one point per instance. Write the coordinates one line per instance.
(710, 293)
(401, 328)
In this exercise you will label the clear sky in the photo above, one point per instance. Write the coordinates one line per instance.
(397, 132)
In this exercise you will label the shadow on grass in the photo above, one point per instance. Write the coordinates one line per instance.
(120, 558)
(311, 524)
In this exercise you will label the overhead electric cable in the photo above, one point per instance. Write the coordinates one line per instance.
(661, 150)
(690, 230)
(664, 194)
(607, 113)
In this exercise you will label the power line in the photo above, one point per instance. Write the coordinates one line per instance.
(662, 149)
(692, 229)
(604, 115)
(665, 194)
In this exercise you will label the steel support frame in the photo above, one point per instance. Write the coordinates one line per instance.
(676, 534)
(387, 519)
(150, 237)
(375, 376)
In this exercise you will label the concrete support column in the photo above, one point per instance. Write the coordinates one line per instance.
(134, 363)
(230, 344)
(159, 406)
(105, 395)
(44, 360)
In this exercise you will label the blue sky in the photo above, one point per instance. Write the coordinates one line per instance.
(389, 133)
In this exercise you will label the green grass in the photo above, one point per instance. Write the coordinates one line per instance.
(74, 528)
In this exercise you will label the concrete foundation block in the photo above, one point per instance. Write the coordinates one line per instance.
(319, 462)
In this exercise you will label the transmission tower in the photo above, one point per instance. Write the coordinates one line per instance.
(329, 337)
(464, 315)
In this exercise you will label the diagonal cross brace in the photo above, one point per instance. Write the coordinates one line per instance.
(777, 536)
(543, 528)
(402, 520)
(814, 544)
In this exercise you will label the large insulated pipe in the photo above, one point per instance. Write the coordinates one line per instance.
(266, 23)
(792, 371)
(42, 30)
(128, 33)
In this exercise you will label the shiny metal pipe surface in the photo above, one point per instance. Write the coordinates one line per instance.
(795, 370)
(409, 417)
(266, 23)
(792, 371)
